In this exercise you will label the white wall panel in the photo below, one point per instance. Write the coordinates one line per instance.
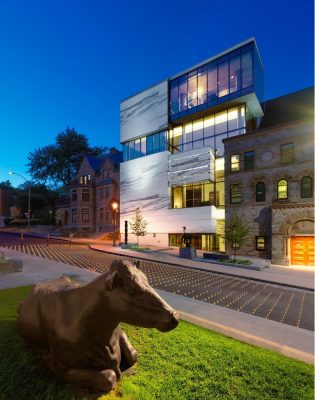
(144, 184)
(144, 113)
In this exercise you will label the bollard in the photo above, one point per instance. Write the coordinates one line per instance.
(21, 239)
(48, 237)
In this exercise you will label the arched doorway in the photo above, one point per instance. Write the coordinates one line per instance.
(302, 243)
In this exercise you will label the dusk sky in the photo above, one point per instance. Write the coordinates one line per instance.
(70, 63)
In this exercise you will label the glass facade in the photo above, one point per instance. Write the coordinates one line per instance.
(222, 79)
(145, 146)
(194, 195)
(208, 131)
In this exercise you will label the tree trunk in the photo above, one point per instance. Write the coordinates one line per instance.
(138, 241)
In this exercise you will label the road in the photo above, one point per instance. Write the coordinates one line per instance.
(278, 303)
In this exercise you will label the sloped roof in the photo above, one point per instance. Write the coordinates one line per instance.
(97, 162)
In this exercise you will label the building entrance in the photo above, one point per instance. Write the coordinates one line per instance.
(302, 250)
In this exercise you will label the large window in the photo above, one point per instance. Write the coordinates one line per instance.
(306, 187)
(227, 75)
(145, 146)
(101, 193)
(287, 153)
(235, 193)
(249, 160)
(196, 195)
(101, 214)
(260, 191)
(282, 189)
(85, 195)
(208, 131)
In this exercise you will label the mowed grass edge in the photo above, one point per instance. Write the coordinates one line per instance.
(190, 363)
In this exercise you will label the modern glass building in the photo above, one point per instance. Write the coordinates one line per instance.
(172, 136)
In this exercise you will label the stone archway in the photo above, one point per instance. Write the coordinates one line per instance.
(285, 222)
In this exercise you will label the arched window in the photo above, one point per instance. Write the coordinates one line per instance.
(260, 191)
(282, 189)
(306, 187)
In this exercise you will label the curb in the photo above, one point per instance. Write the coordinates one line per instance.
(248, 338)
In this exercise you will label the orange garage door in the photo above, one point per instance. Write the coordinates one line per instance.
(302, 250)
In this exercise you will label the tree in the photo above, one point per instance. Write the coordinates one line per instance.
(59, 162)
(138, 225)
(236, 231)
(6, 185)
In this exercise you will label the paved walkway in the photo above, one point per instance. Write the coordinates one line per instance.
(293, 342)
(302, 277)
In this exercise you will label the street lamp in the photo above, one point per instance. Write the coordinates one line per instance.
(115, 211)
(29, 199)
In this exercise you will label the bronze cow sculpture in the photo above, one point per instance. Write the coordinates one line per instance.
(77, 326)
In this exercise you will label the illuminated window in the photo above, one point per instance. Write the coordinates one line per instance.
(282, 189)
(235, 193)
(287, 153)
(306, 187)
(260, 243)
(235, 162)
(260, 191)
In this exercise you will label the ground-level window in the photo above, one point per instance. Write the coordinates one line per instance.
(260, 191)
(85, 215)
(201, 241)
(282, 189)
(306, 187)
(235, 193)
(74, 215)
(260, 243)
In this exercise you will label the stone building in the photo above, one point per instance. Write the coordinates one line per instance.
(269, 177)
(91, 194)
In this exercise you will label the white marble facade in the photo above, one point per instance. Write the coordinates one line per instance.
(144, 113)
(144, 184)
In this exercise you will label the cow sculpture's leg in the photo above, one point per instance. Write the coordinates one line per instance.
(101, 380)
(128, 353)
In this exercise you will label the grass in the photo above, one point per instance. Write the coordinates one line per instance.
(136, 248)
(188, 363)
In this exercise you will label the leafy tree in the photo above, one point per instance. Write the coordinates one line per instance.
(6, 185)
(138, 225)
(58, 162)
(38, 202)
(236, 231)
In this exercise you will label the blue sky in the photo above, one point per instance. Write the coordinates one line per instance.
(70, 62)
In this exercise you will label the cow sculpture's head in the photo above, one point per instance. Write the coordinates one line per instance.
(134, 301)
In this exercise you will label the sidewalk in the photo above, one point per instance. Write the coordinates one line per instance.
(301, 277)
(285, 339)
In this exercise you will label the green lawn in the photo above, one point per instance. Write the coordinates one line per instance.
(188, 363)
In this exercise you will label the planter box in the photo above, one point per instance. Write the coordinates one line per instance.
(215, 256)
(187, 252)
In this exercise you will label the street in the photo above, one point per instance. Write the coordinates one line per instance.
(278, 303)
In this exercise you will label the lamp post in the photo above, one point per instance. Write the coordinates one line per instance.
(115, 211)
(29, 198)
